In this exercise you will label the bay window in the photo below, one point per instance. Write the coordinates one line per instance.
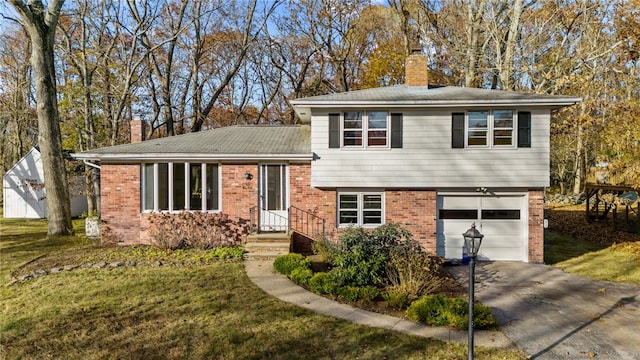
(178, 186)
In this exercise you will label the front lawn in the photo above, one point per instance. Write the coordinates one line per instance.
(593, 249)
(204, 309)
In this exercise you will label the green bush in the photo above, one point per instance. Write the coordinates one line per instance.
(324, 248)
(396, 299)
(361, 256)
(285, 264)
(229, 252)
(301, 276)
(439, 310)
(323, 283)
(358, 293)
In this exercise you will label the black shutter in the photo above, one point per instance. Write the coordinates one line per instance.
(396, 130)
(334, 131)
(457, 130)
(524, 129)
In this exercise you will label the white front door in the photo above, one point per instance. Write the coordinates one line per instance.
(274, 197)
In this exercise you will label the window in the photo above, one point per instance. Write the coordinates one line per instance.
(503, 127)
(358, 208)
(490, 128)
(365, 129)
(179, 186)
(372, 123)
(477, 128)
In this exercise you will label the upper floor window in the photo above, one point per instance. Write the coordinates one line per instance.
(491, 128)
(365, 129)
(180, 186)
(368, 129)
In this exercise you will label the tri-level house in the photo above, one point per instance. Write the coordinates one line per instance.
(435, 159)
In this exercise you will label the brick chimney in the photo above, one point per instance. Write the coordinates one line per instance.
(417, 68)
(137, 129)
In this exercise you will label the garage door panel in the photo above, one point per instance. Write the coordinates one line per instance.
(504, 228)
(501, 227)
(502, 202)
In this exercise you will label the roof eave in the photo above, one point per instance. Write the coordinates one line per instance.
(191, 157)
(436, 103)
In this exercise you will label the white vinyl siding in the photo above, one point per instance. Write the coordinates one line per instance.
(426, 159)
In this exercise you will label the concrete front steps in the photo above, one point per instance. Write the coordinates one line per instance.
(267, 245)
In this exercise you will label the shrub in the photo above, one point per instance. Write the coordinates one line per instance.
(324, 248)
(358, 293)
(323, 283)
(301, 276)
(361, 256)
(196, 229)
(229, 252)
(285, 264)
(438, 310)
(396, 299)
(413, 271)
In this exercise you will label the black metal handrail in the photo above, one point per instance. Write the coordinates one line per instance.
(306, 223)
(266, 220)
(302, 221)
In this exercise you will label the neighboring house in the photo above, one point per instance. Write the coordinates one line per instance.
(434, 159)
(23, 190)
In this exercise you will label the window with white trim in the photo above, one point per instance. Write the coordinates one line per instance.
(490, 128)
(365, 128)
(178, 186)
(360, 208)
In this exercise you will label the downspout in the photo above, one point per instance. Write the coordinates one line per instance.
(86, 162)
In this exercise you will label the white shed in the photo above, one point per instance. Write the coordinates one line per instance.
(23, 190)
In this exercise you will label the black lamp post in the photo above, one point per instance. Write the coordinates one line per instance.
(472, 241)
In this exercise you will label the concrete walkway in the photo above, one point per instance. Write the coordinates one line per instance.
(261, 272)
(551, 314)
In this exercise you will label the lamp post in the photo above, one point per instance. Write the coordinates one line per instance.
(472, 241)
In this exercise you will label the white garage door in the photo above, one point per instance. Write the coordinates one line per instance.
(501, 219)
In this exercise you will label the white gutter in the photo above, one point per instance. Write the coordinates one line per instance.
(193, 157)
(86, 162)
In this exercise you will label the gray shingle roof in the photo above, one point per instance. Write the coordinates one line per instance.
(233, 142)
(432, 96)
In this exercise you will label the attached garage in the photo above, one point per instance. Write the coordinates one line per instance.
(501, 218)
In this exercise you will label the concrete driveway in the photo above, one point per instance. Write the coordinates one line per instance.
(550, 314)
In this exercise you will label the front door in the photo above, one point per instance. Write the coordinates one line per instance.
(274, 195)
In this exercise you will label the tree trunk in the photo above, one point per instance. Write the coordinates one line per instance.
(41, 25)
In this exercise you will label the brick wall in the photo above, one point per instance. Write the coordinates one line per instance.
(319, 202)
(417, 70)
(415, 210)
(536, 226)
(239, 194)
(137, 129)
(120, 208)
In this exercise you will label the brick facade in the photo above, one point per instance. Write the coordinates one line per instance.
(120, 207)
(536, 226)
(415, 210)
(417, 70)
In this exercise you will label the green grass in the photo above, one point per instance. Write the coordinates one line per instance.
(558, 247)
(209, 310)
(23, 240)
(605, 264)
(584, 258)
